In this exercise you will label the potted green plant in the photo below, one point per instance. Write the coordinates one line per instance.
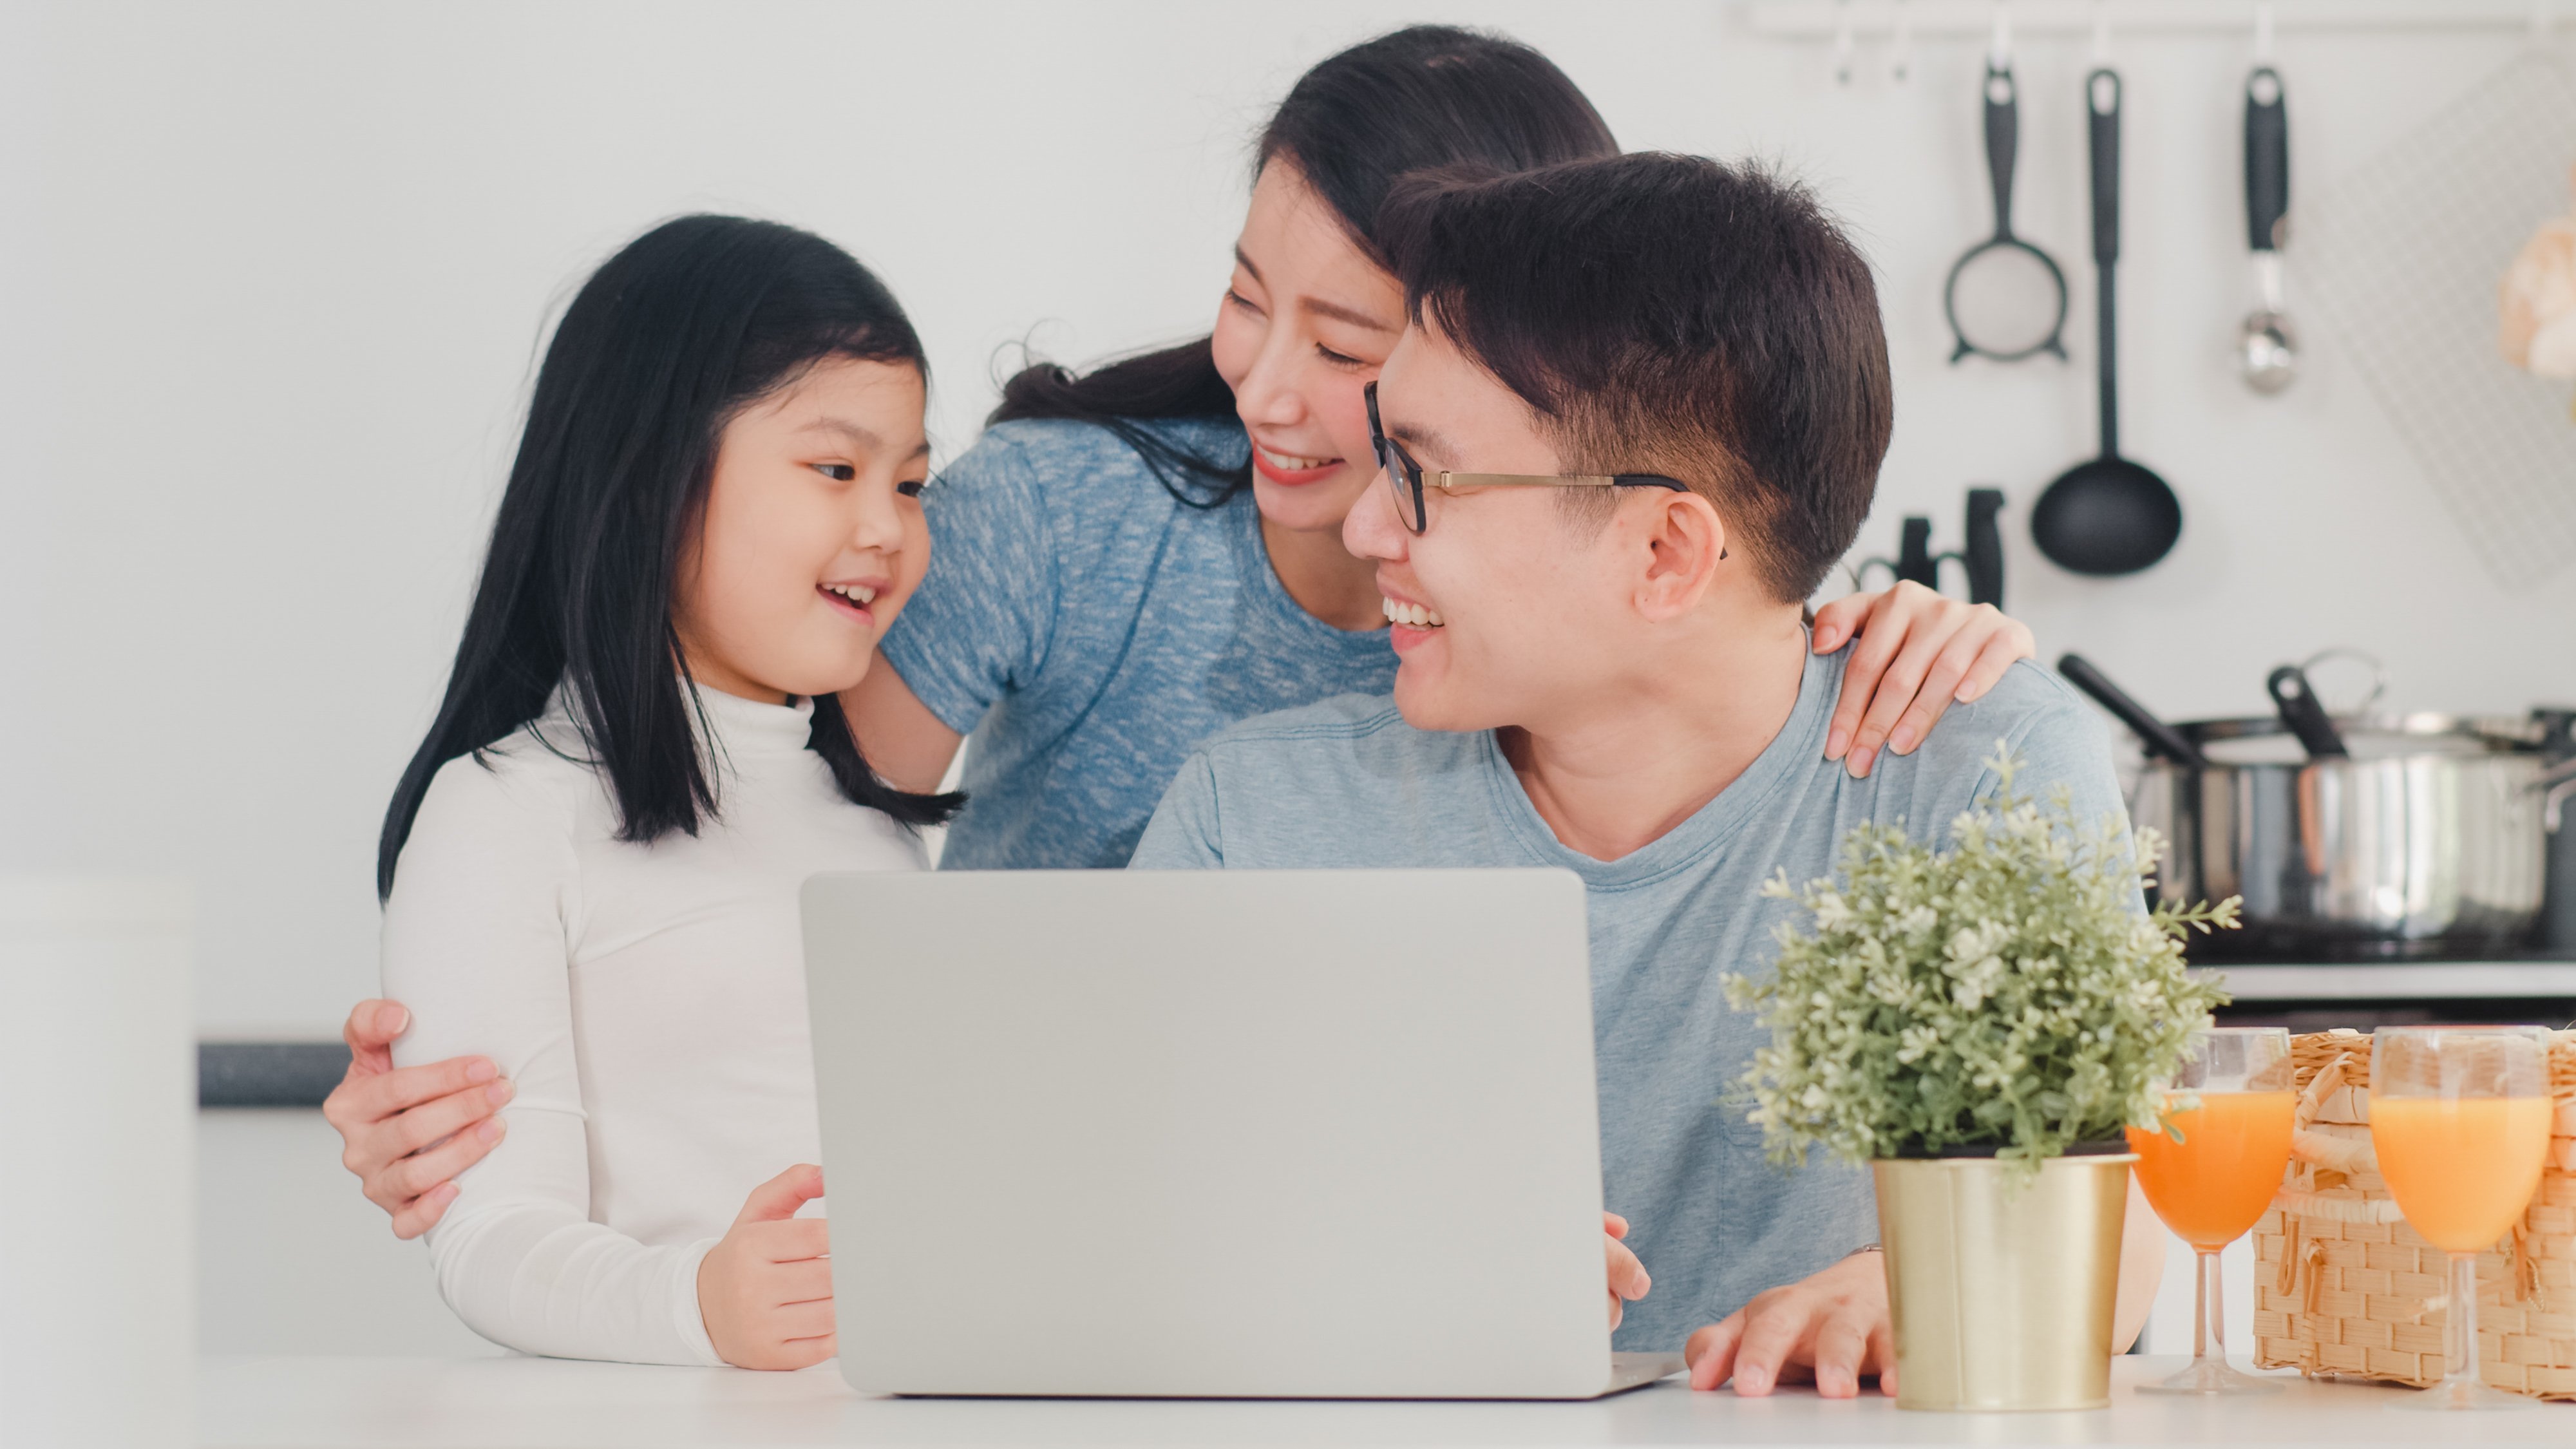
(1979, 1023)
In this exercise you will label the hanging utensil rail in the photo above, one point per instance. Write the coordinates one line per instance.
(1934, 19)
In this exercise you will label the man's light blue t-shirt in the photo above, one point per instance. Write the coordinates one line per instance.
(1088, 630)
(1348, 783)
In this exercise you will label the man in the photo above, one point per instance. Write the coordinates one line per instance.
(1613, 677)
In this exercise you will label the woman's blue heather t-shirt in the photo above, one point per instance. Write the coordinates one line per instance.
(1088, 631)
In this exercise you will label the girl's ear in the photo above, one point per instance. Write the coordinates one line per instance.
(1686, 545)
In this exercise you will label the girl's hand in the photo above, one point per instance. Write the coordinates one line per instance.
(1628, 1280)
(408, 1132)
(1917, 652)
(765, 1290)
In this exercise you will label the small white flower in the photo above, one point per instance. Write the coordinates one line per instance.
(2041, 1010)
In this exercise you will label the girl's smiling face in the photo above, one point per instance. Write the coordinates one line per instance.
(811, 537)
(1304, 325)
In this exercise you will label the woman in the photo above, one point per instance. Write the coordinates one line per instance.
(1129, 561)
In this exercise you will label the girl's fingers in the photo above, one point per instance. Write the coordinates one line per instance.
(806, 1352)
(792, 1240)
(802, 1282)
(794, 1321)
(778, 1199)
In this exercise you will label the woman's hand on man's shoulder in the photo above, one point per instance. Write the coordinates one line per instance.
(1914, 654)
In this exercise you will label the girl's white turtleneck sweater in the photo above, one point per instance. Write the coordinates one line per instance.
(648, 1002)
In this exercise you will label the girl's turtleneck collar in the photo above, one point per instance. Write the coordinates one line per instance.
(745, 727)
(741, 729)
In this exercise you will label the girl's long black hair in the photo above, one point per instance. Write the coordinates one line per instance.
(667, 342)
(1422, 97)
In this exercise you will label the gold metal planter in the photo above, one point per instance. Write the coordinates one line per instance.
(2002, 1296)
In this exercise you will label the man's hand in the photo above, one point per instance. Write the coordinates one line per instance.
(765, 1291)
(407, 1133)
(1832, 1327)
(1628, 1280)
(1918, 651)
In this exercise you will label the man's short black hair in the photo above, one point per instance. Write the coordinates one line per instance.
(1670, 314)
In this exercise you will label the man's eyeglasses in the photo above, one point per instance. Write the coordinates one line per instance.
(1410, 481)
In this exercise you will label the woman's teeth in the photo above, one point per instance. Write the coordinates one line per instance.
(1415, 615)
(1287, 464)
(859, 594)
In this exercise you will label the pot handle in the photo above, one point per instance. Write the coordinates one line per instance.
(2305, 717)
(2158, 737)
(2561, 785)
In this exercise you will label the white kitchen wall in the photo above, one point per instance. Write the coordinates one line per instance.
(276, 275)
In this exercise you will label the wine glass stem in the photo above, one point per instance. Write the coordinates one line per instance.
(2208, 1331)
(2460, 1324)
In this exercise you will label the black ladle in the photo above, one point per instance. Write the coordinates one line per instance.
(2109, 515)
(2158, 737)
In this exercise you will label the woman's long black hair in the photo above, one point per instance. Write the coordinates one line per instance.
(666, 343)
(1423, 97)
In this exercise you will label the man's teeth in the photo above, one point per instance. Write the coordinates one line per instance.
(1286, 464)
(855, 593)
(1398, 612)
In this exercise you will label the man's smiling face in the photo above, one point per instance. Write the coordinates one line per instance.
(1531, 607)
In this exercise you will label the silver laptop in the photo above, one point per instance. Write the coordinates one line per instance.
(1263, 1134)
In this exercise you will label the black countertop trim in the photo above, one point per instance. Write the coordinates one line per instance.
(268, 1073)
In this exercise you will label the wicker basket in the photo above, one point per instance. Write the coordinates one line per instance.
(2343, 1287)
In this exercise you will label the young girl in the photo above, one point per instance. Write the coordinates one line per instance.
(590, 867)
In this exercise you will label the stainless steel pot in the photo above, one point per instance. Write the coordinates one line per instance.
(2558, 903)
(2426, 842)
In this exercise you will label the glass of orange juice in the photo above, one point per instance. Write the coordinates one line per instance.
(2459, 1116)
(2212, 1170)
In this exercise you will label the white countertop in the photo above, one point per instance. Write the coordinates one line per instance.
(2399, 980)
(415, 1403)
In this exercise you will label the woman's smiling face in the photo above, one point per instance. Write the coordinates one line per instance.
(1305, 323)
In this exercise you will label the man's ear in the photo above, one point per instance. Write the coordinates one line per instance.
(1686, 544)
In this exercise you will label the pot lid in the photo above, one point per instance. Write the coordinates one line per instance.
(2265, 740)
